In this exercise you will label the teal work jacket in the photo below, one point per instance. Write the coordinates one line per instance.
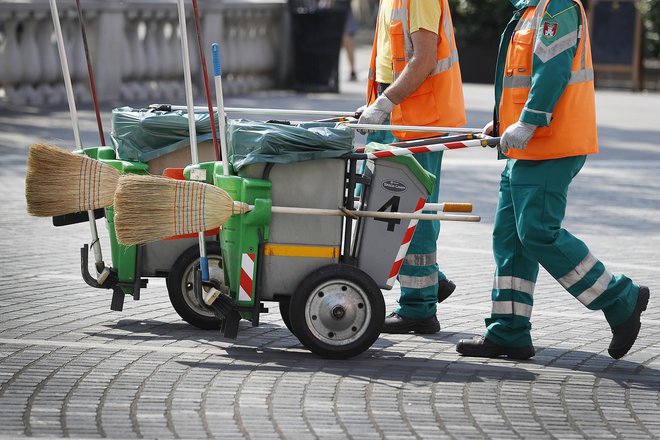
(551, 68)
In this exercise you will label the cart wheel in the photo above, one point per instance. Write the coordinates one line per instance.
(285, 305)
(337, 311)
(180, 286)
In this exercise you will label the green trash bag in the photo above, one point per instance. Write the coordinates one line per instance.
(141, 135)
(253, 142)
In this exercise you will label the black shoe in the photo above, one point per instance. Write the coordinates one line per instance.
(445, 288)
(353, 76)
(624, 335)
(398, 324)
(482, 347)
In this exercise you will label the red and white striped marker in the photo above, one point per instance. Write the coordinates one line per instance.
(403, 250)
(247, 278)
(428, 141)
(430, 148)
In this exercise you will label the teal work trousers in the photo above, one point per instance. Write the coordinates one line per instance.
(419, 274)
(528, 232)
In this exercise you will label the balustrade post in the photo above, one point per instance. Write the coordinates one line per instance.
(213, 27)
(109, 54)
(254, 37)
(284, 58)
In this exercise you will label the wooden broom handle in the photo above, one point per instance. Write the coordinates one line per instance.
(241, 208)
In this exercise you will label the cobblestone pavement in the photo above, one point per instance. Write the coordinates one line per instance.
(69, 367)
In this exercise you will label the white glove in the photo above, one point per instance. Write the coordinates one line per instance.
(488, 129)
(359, 111)
(377, 112)
(516, 136)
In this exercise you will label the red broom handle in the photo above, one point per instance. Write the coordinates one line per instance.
(90, 73)
(207, 89)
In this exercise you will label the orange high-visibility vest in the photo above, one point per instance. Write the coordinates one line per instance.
(439, 99)
(572, 130)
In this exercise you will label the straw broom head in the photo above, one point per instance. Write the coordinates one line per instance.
(153, 208)
(59, 182)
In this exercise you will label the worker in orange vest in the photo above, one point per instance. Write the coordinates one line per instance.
(545, 111)
(415, 79)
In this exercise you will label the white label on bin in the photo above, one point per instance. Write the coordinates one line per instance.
(394, 186)
(198, 174)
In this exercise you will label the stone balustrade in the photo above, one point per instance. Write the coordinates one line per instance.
(135, 49)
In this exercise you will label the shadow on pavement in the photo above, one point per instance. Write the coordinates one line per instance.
(381, 362)
(371, 366)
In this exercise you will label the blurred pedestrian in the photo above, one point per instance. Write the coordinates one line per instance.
(545, 110)
(415, 79)
(350, 29)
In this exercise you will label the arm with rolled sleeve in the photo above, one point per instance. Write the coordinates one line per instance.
(554, 49)
(424, 22)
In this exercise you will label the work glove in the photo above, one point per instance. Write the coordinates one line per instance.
(377, 112)
(516, 136)
(359, 111)
(489, 129)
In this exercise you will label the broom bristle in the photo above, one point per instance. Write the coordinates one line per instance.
(59, 182)
(152, 208)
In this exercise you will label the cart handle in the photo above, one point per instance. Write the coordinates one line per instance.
(258, 111)
(242, 208)
(412, 128)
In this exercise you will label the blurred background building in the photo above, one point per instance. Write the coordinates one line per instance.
(270, 44)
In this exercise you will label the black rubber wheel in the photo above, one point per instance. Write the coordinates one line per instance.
(285, 305)
(337, 311)
(180, 286)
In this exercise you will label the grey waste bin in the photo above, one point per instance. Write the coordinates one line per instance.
(398, 184)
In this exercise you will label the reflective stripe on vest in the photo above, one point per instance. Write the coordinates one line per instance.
(527, 24)
(442, 65)
(546, 53)
(525, 81)
(571, 129)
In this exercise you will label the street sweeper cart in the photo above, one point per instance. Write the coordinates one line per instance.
(303, 235)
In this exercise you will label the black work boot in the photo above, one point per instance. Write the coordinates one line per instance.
(398, 324)
(482, 347)
(445, 288)
(624, 335)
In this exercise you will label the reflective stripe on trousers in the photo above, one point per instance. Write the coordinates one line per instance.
(419, 281)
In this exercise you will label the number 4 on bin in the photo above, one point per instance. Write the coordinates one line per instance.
(391, 205)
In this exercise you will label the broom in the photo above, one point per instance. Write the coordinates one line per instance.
(59, 182)
(102, 271)
(151, 208)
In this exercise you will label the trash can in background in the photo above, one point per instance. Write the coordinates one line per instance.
(317, 30)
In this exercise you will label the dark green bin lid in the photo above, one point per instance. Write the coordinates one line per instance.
(425, 178)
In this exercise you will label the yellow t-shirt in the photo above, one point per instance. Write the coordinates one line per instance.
(424, 14)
